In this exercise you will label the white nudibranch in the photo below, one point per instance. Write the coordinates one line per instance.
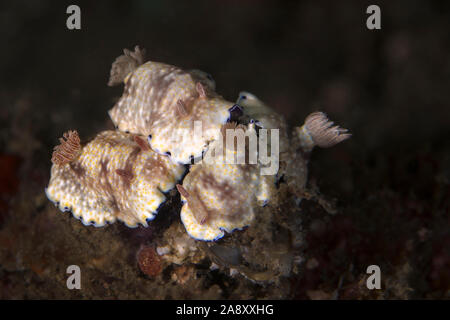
(221, 197)
(178, 110)
(115, 176)
(254, 110)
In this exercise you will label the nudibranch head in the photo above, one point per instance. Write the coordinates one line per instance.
(220, 196)
(178, 109)
(113, 177)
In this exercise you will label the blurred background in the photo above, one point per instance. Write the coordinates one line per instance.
(390, 87)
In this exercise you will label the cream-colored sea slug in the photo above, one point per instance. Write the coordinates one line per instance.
(254, 110)
(114, 176)
(220, 196)
(295, 149)
(177, 110)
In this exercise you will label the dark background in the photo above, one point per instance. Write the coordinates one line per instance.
(390, 87)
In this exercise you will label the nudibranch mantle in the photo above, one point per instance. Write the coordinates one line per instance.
(113, 177)
(220, 197)
(165, 103)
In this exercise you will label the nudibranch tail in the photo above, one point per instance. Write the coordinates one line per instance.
(124, 64)
(318, 130)
(68, 150)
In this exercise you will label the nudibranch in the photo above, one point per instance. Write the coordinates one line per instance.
(177, 110)
(219, 196)
(295, 149)
(256, 111)
(114, 176)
